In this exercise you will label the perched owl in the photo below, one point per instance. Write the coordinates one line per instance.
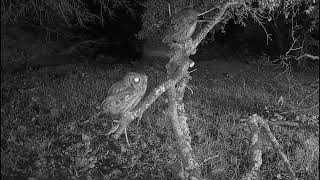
(182, 26)
(125, 94)
(122, 97)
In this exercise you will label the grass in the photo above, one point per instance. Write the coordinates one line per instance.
(41, 112)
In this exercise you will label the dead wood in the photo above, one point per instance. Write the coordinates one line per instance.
(177, 80)
(260, 129)
(179, 56)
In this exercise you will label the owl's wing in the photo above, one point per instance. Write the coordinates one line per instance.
(125, 96)
(116, 87)
(119, 96)
(185, 22)
(168, 35)
(121, 102)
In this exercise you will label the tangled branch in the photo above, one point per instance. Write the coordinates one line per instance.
(71, 12)
(260, 127)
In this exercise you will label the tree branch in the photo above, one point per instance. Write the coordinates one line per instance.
(179, 56)
(177, 69)
(216, 20)
(259, 127)
(308, 56)
(256, 155)
(128, 117)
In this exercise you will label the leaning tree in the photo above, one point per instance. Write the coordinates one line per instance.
(156, 19)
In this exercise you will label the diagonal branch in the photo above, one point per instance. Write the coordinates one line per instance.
(178, 58)
(259, 126)
(214, 22)
(313, 57)
(177, 69)
(128, 117)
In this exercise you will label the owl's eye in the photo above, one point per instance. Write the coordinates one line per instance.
(136, 79)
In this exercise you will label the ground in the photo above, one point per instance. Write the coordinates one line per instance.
(42, 110)
(41, 113)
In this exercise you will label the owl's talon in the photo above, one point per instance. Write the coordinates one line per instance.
(188, 87)
(113, 129)
(126, 135)
(138, 120)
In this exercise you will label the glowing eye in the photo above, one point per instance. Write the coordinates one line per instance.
(136, 79)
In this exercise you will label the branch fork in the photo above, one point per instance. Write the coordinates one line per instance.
(177, 81)
(136, 112)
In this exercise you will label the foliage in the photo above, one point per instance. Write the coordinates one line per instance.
(50, 13)
(156, 15)
(68, 13)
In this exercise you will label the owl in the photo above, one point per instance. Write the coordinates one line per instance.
(125, 94)
(182, 26)
(122, 97)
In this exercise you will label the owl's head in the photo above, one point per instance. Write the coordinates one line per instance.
(137, 80)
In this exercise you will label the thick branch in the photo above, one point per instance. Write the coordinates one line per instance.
(256, 155)
(128, 117)
(263, 123)
(183, 133)
(179, 56)
(216, 20)
(258, 125)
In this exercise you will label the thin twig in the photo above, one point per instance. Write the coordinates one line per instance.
(313, 57)
(309, 95)
(208, 159)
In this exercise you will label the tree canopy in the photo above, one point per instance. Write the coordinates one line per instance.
(157, 12)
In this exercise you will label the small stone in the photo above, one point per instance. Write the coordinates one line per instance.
(280, 101)
(55, 112)
(144, 145)
(278, 116)
(22, 129)
(123, 149)
(273, 119)
(84, 74)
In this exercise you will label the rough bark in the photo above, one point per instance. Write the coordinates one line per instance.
(178, 78)
(256, 149)
(179, 57)
(259, 128)
(128, 117)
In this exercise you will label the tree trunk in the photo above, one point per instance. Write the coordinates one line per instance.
(178, 78)
(178, 65)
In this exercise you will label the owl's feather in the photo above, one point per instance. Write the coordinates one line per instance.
(116, 87)
(125, 94)
(182, 26)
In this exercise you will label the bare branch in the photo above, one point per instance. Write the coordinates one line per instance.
(216, 20)
(256, 156)
(277, 146)
(308, 56)
(127, 118)
(256, 123)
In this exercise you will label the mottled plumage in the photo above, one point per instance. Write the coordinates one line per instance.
(182, 26)
(125, 94)
(122, 97)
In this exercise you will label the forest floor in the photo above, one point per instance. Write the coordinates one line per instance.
(41, 111)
